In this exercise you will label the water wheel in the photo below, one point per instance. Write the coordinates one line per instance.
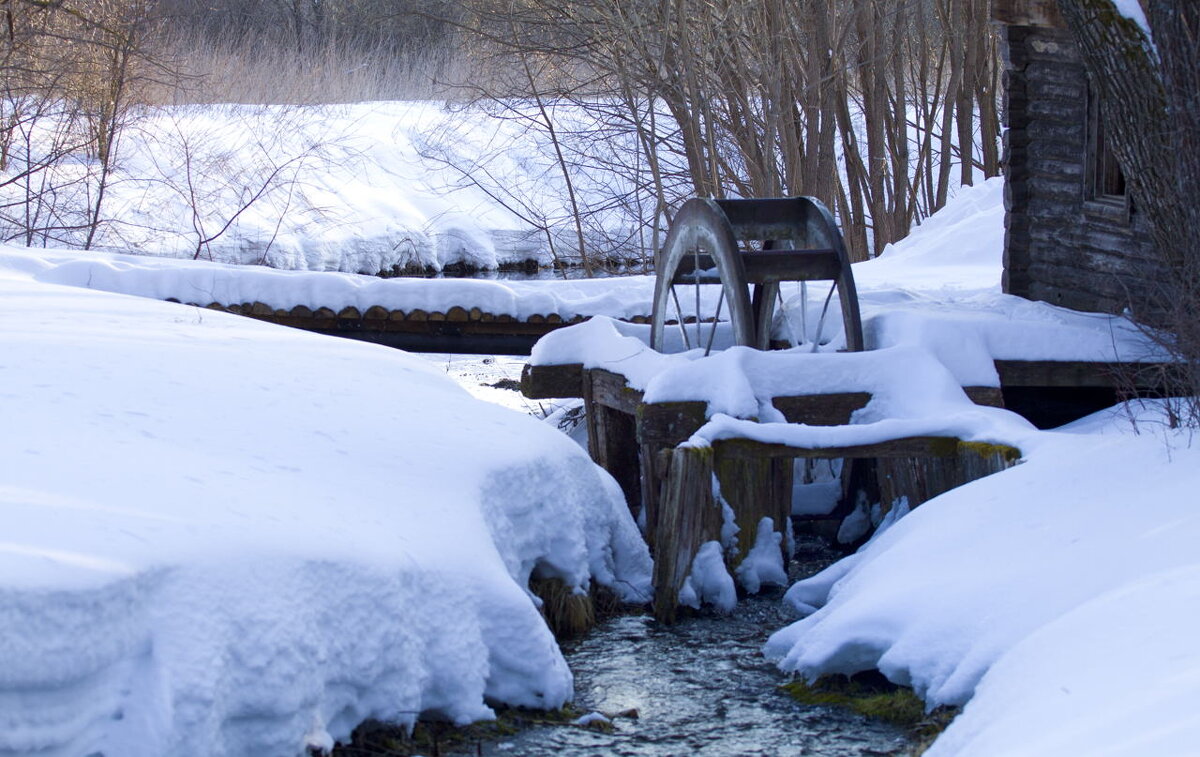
(785, 239)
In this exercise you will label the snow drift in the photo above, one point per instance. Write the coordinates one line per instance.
(223, 537)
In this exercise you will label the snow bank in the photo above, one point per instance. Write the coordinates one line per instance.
(1057, 594)
(223, 537)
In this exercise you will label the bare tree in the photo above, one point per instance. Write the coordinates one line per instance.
(830, 98)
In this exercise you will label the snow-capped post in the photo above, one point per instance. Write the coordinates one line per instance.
(688, 517)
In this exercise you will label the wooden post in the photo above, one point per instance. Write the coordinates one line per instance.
(611, 445)
(688, 516)
(661, 426)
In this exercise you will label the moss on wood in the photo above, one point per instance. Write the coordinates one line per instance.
(987, 450)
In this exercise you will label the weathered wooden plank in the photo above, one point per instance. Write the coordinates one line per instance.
(920, 479)
(821, 409)
(661, 426)
(543, 382)
(791, 265)
(611, 445)
(670, 422)
(613, 391)
(611, 434)
(992, 396)
(689, 517)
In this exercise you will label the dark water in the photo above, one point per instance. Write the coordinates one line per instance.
(701, 687)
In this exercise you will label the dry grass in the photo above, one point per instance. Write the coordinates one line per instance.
(566, 613)
(276, 74)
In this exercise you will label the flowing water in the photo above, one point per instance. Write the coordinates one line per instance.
(701, 687)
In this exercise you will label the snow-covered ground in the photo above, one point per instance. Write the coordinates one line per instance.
(365, 188)
(1057, 600)
(223, 537)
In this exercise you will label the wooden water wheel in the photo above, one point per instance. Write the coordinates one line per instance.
(785, 239)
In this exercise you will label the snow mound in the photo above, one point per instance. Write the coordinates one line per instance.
(226, 538)
(1038, 591)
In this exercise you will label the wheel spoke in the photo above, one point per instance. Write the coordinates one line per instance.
(821, 321)
(716, 319)
(687, 345)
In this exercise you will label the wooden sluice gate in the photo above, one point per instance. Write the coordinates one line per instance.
(644, 446)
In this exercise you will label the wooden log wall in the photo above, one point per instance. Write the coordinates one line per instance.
(750, 479)
(920, 479)
(1061, 245)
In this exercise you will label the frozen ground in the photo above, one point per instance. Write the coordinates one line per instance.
(223, 537)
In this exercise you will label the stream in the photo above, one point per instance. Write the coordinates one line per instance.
(701, 687)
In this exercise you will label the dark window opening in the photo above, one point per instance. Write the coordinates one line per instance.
(1104, 179)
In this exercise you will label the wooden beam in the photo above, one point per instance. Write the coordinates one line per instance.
(543, 382)
(611, 435)
(613, 391)
(912, 446)
(689, 517)
(991, 396)
(1078, 373)
(821, 409)
(670, 423)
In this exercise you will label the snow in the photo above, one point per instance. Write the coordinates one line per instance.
(1132, 10)
(1052, 597)
(223, 537)
(764, 563)
(1055, 600)
(708, 582)
(936, 292)
(592, 719)
(364, 188)
(227, 538)
(201, 283)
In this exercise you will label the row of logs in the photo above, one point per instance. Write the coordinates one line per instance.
(455, 314)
